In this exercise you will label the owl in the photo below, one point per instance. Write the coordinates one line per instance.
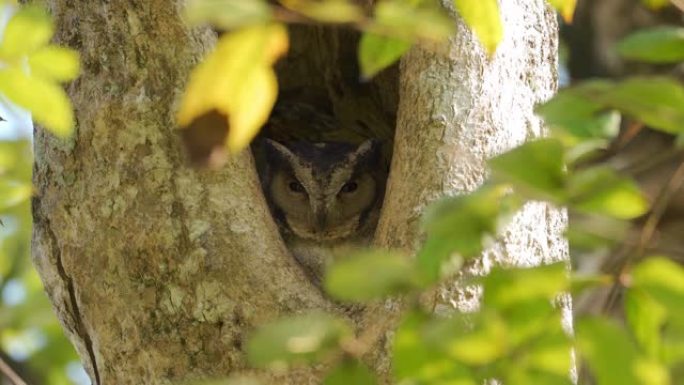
(325, 196)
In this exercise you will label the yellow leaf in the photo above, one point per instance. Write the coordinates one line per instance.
(53, 62)
(46, 100)
(252, 108)
(566, 8)
(29, 29)
(237, 79)
(483, 18)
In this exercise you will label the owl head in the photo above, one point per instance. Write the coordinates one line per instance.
(325, 191)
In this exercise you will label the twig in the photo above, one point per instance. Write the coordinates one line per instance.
(8, 372)
(659, 207)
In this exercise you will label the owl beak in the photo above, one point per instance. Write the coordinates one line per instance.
(319, 223)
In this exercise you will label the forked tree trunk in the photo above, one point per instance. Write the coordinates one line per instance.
(158, 271)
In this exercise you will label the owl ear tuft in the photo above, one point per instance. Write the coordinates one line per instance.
(277, 151)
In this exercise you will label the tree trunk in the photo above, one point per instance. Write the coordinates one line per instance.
(158, 271)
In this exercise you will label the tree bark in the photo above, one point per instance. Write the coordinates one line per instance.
(458, 108)
(158, 271)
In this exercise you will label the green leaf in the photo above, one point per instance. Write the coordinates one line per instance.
(28, 29)
(663, 280)
(528, 320)
(646, 318)
(575, 114)
(589, 232)
(658, 102)
(370, 275)
(330, 11)
(652, 372)
(520, 376)
(227, 14)
(581, 282)
(535, 168)
(55, 63)
(478, 340)
(378, 52)
(13, 193)
(350, 372)
(552, 352)
(299, 339)
(484, 19)
(462, 225)
(505, 288)
(410, 20)
(601, 190)
(46, 100)
(413, 358)
(608, 351)
(656, 45)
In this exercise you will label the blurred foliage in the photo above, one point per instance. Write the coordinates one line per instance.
(517, 335)
(31, 340)
(32, 68)
(30, 336)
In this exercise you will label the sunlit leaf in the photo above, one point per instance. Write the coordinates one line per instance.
(462, 225)
(298, 339)
(237, 80)
(551, 353)
(370, 275)
(227, 14)
(608, 351)
(414, 358)
(520, 376)
(378, 52)
(53, 62)
(535, 168)
(601, 190)
(13, 193)
(663, 280)
(652, 372)
(28, 29)
(657, 45)
(350, 372)
(484, 19)
(528, 319)
(646, 318)
(482, 343)
(506, 287)
(565, 7)
(46, 100)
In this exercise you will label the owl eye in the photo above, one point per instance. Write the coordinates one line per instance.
(296, 187)
(349, 187)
